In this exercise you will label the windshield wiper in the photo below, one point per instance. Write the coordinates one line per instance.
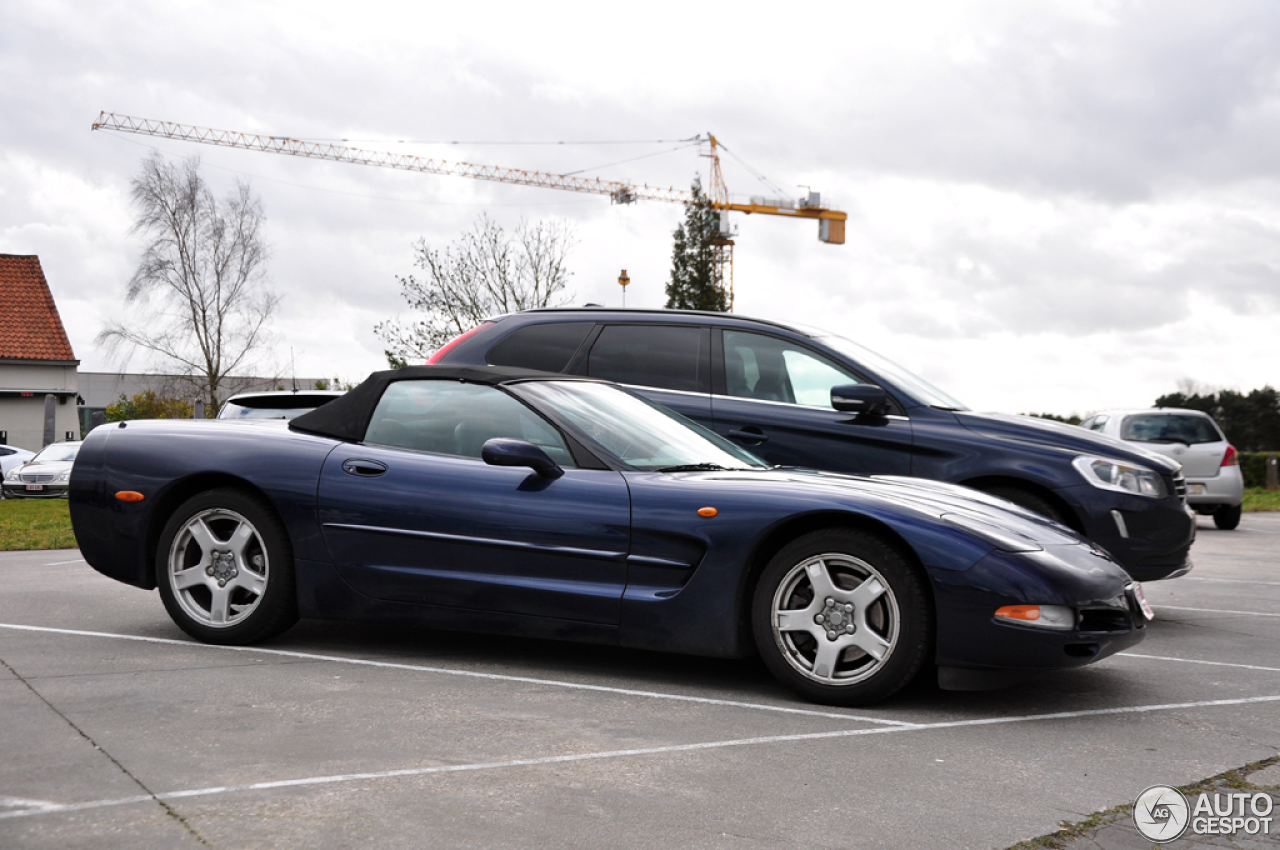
(693, 467)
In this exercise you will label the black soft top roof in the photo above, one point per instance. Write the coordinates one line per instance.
(347, 418)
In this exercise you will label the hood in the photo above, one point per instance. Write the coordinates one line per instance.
(53, 467)
(973, 510)
(1071, 439)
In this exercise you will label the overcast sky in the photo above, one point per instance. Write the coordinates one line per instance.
(1053, 206)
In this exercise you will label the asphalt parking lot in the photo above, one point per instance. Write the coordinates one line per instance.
(121, 732)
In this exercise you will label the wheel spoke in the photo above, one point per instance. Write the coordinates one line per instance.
(823, 586)
(824, 662)
(240, 539)
(800, 620)
(187, 579)
(866, 593)
(869, 642)
(203, 535)
(250, 581)
(220, 604)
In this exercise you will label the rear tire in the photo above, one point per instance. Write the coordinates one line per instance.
(1227, 517)
(841, 617)
(224, 567)
(1031, 501)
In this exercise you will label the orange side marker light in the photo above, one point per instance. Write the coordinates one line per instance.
(130, 496)
(1019, 612)
(707, 512)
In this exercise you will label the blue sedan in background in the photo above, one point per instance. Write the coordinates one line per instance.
(521, 503)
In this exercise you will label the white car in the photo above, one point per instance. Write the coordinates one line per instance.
(11, 456)
(1211, 465)
(44, 476)
(278, 404)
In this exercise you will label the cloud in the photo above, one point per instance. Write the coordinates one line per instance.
(1034, 189)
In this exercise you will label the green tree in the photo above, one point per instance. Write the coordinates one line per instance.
(1251, 421)
(695, 276)
(148, 405)
(1073, 419)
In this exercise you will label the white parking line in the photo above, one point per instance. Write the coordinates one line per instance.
(422, 668)
(60, 563)
(44, 807)
(1215, 611)
(1198, 661)
(1232, 580)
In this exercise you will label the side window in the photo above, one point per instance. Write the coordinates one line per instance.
(5, 452)
(548, 347)
(665, 358)
(452, 418)
(1099, 422)
(771, 369)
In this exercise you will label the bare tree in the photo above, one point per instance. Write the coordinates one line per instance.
(483, 273)
(200, 291)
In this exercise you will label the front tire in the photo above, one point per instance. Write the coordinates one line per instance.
(224, 568)
(841, 617)
(1227, 517)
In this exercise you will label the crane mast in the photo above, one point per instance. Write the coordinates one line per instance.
(831, 222)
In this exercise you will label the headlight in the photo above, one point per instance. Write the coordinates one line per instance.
(1057, 617)
(12, 476)
(1121, 476)
(66, 476)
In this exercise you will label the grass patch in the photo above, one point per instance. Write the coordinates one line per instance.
(35, 524)
(1257, 499)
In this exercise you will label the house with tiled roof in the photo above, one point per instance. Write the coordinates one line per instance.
(36, 359)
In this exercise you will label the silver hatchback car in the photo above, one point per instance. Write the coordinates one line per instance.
(1211, 465)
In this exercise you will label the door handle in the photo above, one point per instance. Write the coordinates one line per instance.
(364, 468)
(749, 434)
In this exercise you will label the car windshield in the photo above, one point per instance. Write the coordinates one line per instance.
(1170, 428)
(888, 370)
(56, 453)
(640, 434)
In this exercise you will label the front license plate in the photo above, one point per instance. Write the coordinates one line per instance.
(1195, 489)
(35, 486)
(1141, 596)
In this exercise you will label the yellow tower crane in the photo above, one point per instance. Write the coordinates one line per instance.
(830, 221)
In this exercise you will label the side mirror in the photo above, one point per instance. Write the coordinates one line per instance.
(503, 451)
(867, 399)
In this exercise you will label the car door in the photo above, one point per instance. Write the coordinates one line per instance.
(413, 514)
(773, 397)
(669, 364)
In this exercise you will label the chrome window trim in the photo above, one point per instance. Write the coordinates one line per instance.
(665, 390)
(792, 404)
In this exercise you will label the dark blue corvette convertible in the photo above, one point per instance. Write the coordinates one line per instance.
(521, 503)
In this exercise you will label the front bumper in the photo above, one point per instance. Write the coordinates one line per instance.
(20, 490)
(1150, 538)
(1108, 616)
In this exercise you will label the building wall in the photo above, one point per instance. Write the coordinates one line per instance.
(23, 418)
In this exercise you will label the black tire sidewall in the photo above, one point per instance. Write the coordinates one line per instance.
(1227, 517)
(277, 610)
(916, 623)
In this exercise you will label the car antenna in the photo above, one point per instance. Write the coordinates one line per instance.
(293, 370)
